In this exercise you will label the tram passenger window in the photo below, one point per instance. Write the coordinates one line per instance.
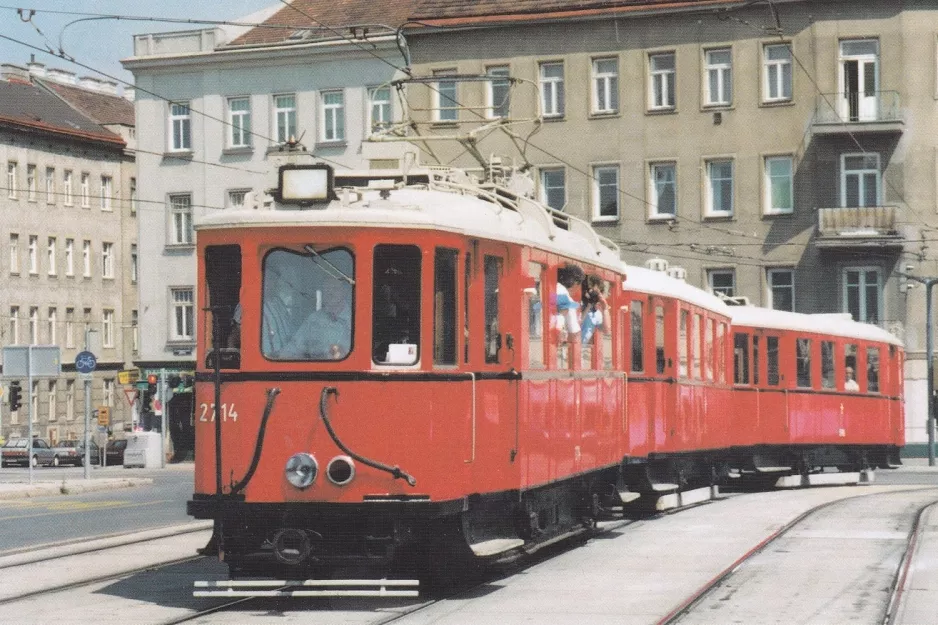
(741, 358)
(493, 337)
(803, 347)
(682, 345)
(872, 369)
(395, 325)
(606, 335)
(659, 339)
(444, 306)
(771, 354)
(534, 298)
(850, 368)
(827, 364)
(594, 319)
(708, 348)
(721, 352)
(755, 359)
(465, 302)
(695, 347)
(637, 318)
(223, 282)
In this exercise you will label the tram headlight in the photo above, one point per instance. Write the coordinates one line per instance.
(301, 470)
(341, 470)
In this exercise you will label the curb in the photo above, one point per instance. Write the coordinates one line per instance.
(68, 487)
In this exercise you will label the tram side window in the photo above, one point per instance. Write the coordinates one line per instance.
(682, 345)
(637, 313)
(755, 359)
(605, 334)
(493, 337)
(708, 348)
(721, 352)
(535, 299)
(741, 358)
(850, 368)
(223, 281)
(803, 348)
(827, 364)
(872, 369)
(659, 339)
(465, 302)
(395, 327)
(771, 349)
(695, 347)
(446, 263)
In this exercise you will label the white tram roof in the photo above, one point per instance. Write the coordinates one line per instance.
(459, 208)
(835, 324)
(653, 282)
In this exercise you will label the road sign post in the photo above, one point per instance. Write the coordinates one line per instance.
(85, 363)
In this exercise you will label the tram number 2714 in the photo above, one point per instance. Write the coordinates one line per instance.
(207, 412)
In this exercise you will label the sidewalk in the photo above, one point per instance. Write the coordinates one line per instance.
(46, 483)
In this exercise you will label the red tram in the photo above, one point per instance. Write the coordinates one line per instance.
(394, 378)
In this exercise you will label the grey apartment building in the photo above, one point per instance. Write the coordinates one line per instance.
(778, 151)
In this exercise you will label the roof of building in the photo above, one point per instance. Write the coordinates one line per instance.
(320, 16)
(28, 106)
(103, 108)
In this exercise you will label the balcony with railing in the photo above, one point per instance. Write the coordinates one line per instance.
(857, 112)
(858, 227)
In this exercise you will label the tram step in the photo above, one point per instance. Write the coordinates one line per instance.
(686, 498)
(625, 496)
(821, 479)
(495, 546)
(663, 487)
(308, 588)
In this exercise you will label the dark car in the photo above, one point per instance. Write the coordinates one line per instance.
(114, 452)
(73, 452)
(15, 452)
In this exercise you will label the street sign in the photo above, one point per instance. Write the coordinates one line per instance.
(85, 362)
(38, 361)
(104, 415)
(129, 376)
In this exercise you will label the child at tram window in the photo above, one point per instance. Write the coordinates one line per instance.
(567, 310)
(595, 314)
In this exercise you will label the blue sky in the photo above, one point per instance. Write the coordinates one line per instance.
(102, 43)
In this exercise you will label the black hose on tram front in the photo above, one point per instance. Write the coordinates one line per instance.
(395, 471)
(259, 445)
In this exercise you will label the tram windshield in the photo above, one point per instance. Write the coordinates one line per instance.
(308, 304)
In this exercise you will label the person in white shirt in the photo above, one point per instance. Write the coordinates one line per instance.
(851, 383)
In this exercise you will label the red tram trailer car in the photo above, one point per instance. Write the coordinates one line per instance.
(395, 371)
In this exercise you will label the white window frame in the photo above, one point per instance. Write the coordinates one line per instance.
(107, 191)
(444, 97)
(605, 83)
(771, 287)
(379, 107)
(51, 400)
(239, 122)
(50, 185)
(711, 181)
(718, 78)
(284, 116)
(33, 325)
(497, 92)
(15, 325)
(134, 260)
(69, 400)
(777, 73)
(547, 185)
(108, 391)
(862, 175)
(14, 253)
(85, 188)
(33, 254)
(773, 179)
(714, 273)
(12, 175)
(69, 257)
(69, 328)
(182, 320)
(553, 98)
(107, 328)
(180, 211)
(50, 325)
(133, 195)
(332, 116)
(180, 127)
(51, 245)
(600, 187)
(134, 331)
(232, 196)
(86, 258)
(67, 182)
(32, 185)
(662, 82)
(863, 286)
(655, 185)
(107, 260)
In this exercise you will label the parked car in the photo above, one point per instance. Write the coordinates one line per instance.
(114, 452)
(73, 452)
(15, 452)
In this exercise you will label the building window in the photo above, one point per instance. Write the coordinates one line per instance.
(554, 187)
(15, 325)
(239, 122)
(180, 127)
(107, 328)
(860, 180)
(662, 77)
(12, 181)
(605, 86)
(70, 400)
(33, 325)
(85, 190)
(182, 326)
(497, 92)
(51, 399)
(14, 253)
(106, 192)
(69, 257)
(379, 106)
(663, 190)
(51, 333)
(333, 116)
(443, 95)
(67, 187)
(552, 94)
(107, 260)
(133, 263)
(779, 185)
(86, 258)
(605, 192)
(181, 216)
(69, 328)
(237, 198)
(722, 281)
(777, 60)
(862, 296)
(33, 254)
(285, 117)
(50, 255)
(133, 196)
(109, 392)
(50, 185)
(781, 283)
(135, 331)
(719, 188)
(31, 183)
(719, 77)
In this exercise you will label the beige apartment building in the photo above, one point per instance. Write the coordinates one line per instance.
(784, 152)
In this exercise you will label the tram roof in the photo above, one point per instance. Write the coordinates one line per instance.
(655, 282)
(835, 324)
(422, 208)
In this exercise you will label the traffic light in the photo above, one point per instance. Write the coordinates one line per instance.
(16, 396)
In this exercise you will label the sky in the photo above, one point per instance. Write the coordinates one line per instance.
(102, 43)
